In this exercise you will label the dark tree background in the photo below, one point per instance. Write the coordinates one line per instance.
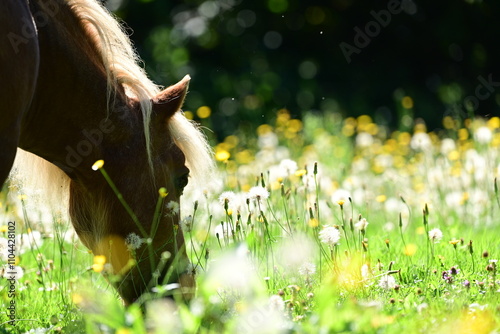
(249, 59)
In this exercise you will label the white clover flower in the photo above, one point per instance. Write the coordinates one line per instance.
(173, 208)
(361, 225)
(258, 193)
(330, 235)
(387, 282)
(307, 269)
(227, 196)
(435, 235)
(483, 135)
(133, 241)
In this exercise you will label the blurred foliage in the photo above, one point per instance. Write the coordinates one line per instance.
(249, 59)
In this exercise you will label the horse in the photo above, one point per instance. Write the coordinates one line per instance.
(73, 93)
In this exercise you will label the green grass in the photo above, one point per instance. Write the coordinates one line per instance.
(262, 264)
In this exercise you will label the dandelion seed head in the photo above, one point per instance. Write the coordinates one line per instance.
(276, 303)
(361, 225)
(483, 135)
(387, 282)
(447, 145)
(227, 196)
(10, 271)
(364, 139)
(365, 271)
(288, 167)
(330, 236)
(421, 142)
(295, 252)
(162, 316)
(187, 223)
(223, 231)
(341, 195)
(133, 241)
(258, 193)
(435, 235)
(234, 272)
(307, 269)
(173, 207)
(3, 249)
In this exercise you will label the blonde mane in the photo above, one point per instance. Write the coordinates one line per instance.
(121, 63)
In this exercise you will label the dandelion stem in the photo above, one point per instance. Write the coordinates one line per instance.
(496, 193)
(123, 202)
(156, 218)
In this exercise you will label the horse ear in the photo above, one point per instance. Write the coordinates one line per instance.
(170, 100)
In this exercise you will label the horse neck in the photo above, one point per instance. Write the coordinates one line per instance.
(69, 120)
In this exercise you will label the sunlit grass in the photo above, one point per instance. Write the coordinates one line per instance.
(322, 225)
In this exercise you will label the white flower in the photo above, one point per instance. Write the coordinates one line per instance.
(227, 196)
(268, 141)
(330, 235)
(365, 271)
(133, 241)
(387, 282)
(422, 307)
(477, 307)
(258, 193)
(288, 167)
(9, 271)
(3, 249)
(223, 231)
(421, 141)
(162, 316)
(307, 269)
(483, 135)
(364, 139)
(173, 208)
(435, 235)
(276, 303)
(28, 241)
(361, 225)
(447, 145)
(37, 331)
(341, 195)
(187, 223)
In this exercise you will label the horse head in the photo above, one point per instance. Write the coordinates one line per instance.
(130, 214)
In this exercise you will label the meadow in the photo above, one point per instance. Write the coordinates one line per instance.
(320, 225)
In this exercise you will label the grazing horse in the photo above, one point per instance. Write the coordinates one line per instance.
(72, 93)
